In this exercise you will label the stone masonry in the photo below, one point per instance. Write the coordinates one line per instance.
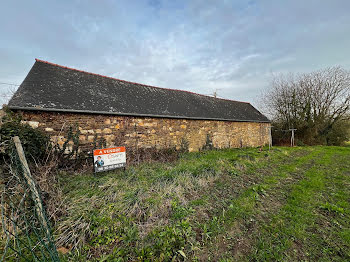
(147, 132)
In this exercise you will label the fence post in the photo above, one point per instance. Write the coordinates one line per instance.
(32, 185)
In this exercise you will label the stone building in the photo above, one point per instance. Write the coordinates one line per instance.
(54, 97)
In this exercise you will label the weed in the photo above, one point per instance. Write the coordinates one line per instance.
(332, 208)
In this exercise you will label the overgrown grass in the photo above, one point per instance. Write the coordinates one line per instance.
(287, 204)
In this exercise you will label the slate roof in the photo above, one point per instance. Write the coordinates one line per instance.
(51, 87)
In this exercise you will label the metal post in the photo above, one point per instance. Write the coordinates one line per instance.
(270, 136)
(292, 140)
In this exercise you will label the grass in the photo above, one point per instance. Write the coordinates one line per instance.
(287, 204)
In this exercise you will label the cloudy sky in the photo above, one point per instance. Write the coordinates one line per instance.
(232, 46)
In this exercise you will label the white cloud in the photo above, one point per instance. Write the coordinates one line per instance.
(232, 46)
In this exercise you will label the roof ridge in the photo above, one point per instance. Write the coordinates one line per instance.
(113, 78)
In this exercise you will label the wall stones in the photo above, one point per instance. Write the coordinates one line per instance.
(33, 124)
(148, 132)
(107, 131)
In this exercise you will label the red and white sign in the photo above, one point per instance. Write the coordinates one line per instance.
(109, 158)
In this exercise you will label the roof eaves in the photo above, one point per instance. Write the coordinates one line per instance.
(129, 114)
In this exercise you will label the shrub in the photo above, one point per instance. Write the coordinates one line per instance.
(184, 144)
(339, 134)
(208, 143)
(35, 143)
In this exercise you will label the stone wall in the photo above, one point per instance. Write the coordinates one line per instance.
(148, 132)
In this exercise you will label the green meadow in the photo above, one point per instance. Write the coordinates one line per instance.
(286, 204)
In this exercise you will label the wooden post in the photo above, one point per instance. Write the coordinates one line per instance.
(32, 186)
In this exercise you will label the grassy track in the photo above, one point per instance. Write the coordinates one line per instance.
(290, 204)
(299, 230)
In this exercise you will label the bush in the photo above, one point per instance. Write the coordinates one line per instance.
(208, 143)
(35, 143)
(339, 134)
(184, 145)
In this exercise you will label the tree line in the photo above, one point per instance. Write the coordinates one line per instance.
(317, 104)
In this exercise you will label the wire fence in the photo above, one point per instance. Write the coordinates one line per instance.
(26, 233)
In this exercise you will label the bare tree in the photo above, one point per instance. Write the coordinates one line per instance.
(314, 103)
(7, 93)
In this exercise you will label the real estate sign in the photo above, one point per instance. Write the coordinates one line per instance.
(109, 158)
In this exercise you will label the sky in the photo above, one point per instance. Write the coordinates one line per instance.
(231, 47)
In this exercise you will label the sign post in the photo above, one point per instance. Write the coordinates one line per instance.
(109, 158)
